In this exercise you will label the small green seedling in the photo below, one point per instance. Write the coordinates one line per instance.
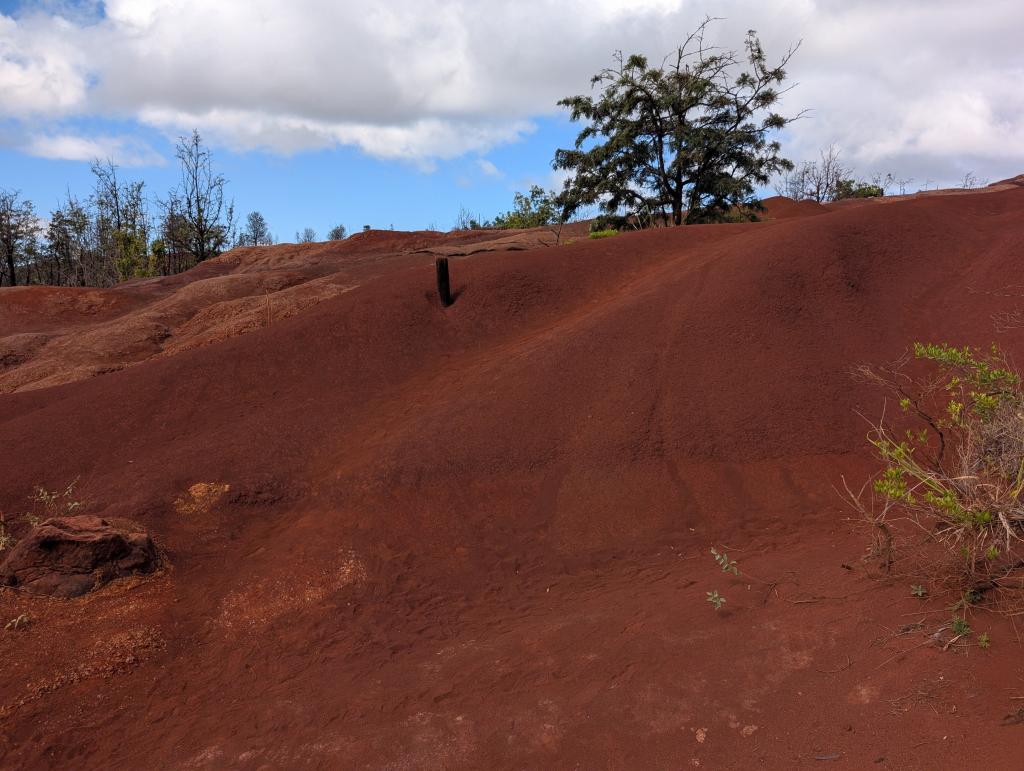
(959, 626)
(727, 565)
(983, 641)
(716, 599)
(918, 591)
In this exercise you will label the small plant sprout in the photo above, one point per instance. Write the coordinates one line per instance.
(983, 641)
(918, 591)
(727, 565)
(959, 626)
(716, 599)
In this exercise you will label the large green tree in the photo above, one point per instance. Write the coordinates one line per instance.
(689, 139)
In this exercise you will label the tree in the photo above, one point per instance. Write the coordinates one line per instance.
(18, 229)
(690, 135)
(534, 210)
(815, 180)
(307, 236)
(467, 220)
(121, 223)
(256, 231)
(337, 233)
(69, 256)
(829, 180)
(970, 181)
(851, 188)
(198, 221)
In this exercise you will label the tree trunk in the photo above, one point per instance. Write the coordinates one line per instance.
(677, 199)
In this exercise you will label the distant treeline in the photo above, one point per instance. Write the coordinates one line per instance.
(118, 232)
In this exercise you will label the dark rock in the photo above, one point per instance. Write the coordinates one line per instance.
(69, 556)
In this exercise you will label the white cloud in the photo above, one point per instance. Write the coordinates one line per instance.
(489, 169)
(419, 141)
(929, 85)
(124, 151)
(40, 73)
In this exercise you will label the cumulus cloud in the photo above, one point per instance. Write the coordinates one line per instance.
(933, 85)
(122, 150)
(39, 73)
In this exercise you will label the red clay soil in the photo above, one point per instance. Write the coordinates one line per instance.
(51, 335)
(403, 536)
(779, 207)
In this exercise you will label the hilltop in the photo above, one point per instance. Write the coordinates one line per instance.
(406, 536)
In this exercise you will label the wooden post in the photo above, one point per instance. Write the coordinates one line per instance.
(444, 288)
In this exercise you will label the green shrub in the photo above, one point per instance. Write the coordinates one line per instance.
(952, 462)
(848, 188)
(608, 222)
(533, 210)
(604, 233)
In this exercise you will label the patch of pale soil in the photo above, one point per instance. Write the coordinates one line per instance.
(115, 654)
(261, 602)
(200, 498)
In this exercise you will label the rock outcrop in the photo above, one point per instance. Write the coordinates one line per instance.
(70, 556)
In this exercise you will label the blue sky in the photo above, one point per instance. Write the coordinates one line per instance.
(399, 112)
(321, 188)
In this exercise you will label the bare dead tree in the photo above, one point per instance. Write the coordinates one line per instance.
(903, 183)
(815, 180)
(970, 181)
(824, 177)
(197, 216)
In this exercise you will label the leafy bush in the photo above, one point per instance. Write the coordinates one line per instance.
(534, 210)
(604, 233)
(953, 462)
(848, 188)
(604, 222)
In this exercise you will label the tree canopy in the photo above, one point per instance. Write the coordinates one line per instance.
(687, 139)
(256, 231)
(18, 229)
(532, 210)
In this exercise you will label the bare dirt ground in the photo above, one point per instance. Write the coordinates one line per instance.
(403, 536)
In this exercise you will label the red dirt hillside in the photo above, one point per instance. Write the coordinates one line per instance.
(402, 536)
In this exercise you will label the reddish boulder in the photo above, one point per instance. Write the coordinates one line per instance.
(69, 556)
